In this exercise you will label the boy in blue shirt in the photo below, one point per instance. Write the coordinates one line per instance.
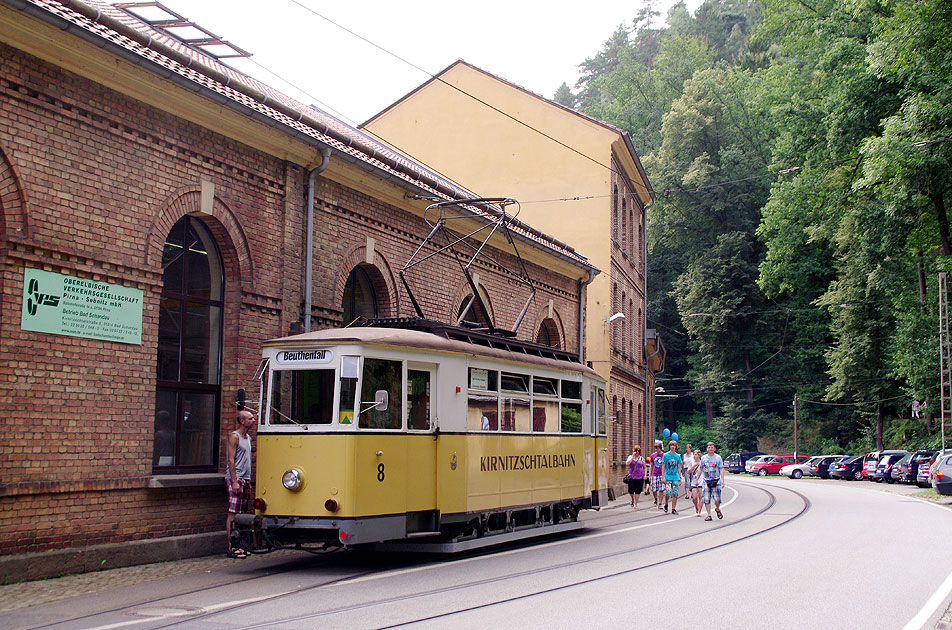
(673, 466)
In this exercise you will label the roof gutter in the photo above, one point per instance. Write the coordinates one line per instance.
(97, 16)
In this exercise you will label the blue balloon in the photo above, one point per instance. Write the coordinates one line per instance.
(674, 436)
(666, 433)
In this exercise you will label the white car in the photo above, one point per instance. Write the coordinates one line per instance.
(795, 471)
(756, 458)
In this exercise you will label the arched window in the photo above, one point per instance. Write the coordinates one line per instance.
(474, 315)
(548, 333)
(360, 298)
(188, 362)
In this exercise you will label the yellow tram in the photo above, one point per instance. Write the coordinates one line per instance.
(427, 436)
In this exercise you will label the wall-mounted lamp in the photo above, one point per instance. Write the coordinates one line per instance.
(614, 317)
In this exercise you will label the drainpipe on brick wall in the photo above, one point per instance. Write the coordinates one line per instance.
(309, 237)
(644, 321)
(582, 294)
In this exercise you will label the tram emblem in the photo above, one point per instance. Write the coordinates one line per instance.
(453, 462)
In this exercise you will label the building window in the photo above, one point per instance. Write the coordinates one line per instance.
(470, 315)
(548, 334)
(188, 362)
(360, 299)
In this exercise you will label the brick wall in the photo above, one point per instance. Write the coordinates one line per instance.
(90, 184)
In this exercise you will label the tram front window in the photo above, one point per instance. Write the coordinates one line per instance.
(302, 396)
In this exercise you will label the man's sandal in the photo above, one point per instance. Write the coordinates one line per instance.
(237, 554)
(718, 510)
(708, 518)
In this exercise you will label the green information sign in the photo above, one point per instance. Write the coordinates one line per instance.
(64, 305)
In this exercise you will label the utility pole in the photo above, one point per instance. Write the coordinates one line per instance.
(794, 426)
(945, 385)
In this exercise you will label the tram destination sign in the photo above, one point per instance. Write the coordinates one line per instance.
(65, 305)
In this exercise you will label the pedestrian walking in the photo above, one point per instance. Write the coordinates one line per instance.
(238, 475)
(688, 463)
(712, 470)
(673, 468)
(697, 480)
(655, 474)
(636, 476)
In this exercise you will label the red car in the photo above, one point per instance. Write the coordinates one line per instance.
(773, 466)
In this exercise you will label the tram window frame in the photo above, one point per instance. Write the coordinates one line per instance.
(573, 386)
(520, 381)
(397, 400)
(292, 374)
(430, 395)
(552, 389)
(492, 379)
(599, 411)
(567, 389)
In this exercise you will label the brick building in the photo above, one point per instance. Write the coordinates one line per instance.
(580, 180)
(160, 200)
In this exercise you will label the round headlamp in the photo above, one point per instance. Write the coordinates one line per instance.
(293, 480)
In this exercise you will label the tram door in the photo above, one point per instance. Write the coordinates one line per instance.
(599, 433)
(421, 441)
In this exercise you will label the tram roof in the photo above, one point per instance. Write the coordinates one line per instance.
(507, 350)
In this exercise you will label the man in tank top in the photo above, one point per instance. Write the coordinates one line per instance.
(238, 474)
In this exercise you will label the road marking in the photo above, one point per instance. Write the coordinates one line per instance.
(938, 597)
(190, 613)
(391, 574)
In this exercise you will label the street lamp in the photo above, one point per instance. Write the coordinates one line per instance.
(614, 317)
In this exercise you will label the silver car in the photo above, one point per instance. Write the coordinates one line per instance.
(941, 472)
(756, 458)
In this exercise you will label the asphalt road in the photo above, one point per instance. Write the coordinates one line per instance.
(788, 554)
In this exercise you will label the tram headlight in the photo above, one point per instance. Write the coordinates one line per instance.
(293, 480)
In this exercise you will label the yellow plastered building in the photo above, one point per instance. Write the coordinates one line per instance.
(576, 178)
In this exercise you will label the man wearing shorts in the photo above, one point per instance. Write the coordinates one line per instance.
(238, 474)
(656, 475)
(712, 471)
(673, 466)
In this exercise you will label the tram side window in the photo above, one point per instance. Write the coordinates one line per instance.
(484, 380)
(545, 415)
(482, 413)
(514, 383)
(418, 400)
(387, 375)
(348, 389)
(571, 411)
(302, 396)
(600, 414)
(515, 414)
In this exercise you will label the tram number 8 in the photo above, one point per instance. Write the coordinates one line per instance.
(380, 473)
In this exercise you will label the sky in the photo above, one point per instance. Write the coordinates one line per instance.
(537, 45)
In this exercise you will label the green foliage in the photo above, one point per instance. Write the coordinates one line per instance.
(801, 157)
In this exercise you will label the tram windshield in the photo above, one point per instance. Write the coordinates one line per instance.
(302, 396)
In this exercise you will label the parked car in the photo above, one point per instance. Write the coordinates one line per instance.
(896, 473)
(756, 459)
(869, 463)
(735, 461)
(772, 466)
(910, 473)
(885, 465)
(923, 475)
(850, 468)
(799, 469)
(821, 468)
(941, 472)
(872, 460)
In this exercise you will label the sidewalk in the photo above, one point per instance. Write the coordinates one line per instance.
(24, 594)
